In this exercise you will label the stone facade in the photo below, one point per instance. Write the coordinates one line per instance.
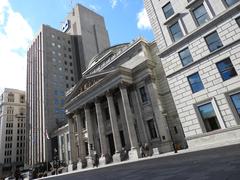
(12, 130)
(219, 88)
(121, 102)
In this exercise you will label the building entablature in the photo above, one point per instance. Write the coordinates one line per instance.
(97, 89)
(61, 130)
(97, 85)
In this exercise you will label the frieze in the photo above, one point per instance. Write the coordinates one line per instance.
(88, 85)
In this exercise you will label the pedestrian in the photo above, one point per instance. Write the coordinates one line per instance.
(142, 153)
(95, 159)
(146, 149)
(17, 174)
(124, 154)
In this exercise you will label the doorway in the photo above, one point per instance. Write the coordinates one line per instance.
(111, 144)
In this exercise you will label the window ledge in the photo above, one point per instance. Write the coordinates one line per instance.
(192, 3)
(172, 18)
(146, 103)
(204, 58)
(218, 131)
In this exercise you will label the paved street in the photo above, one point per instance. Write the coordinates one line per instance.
(214, 164)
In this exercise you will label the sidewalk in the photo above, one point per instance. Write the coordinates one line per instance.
(184, 151)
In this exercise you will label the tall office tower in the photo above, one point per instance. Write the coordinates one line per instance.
(199, 42)
(90, 36)
(12, 130)
(55, 62)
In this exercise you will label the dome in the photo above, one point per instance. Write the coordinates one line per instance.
(111, 51)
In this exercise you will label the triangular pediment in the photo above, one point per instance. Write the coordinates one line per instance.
(88, 81)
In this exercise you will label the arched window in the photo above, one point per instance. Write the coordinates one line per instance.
(10, 97)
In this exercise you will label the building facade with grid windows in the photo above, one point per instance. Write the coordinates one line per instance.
(199, 43)
(55, 61)
(12, 130)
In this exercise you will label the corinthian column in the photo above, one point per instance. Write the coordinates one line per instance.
(115, 129)
(158, 109)
(133, 154)
(90, 134)
(72, 140)
(81, 144)
(101, 131)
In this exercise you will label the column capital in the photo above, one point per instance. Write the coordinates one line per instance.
(86, 106)
(123, 85)
(97, 100)
(149, 78)
(70, 116)
(76, 112)
(133, 86)
(109, 93)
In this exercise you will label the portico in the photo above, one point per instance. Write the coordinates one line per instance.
(108, 102)
(103, 120)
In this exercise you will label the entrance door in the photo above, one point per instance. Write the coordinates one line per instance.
(111, 144)
(122, 139)
(54, 143)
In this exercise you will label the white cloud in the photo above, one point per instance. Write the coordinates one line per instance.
(15, 36)
(143, 22)
(113, 3)
(94, 7)
(3, 5)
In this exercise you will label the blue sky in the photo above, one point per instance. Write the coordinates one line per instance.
(20, 20)
(120, 18)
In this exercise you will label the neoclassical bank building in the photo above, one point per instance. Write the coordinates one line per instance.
(122, 101)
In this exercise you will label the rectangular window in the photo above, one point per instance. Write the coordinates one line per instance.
(84, 123)
(176, 32)
(209, 117)
(236, 102)
(143, 94)
(152, 129)
(201, 15)
(238, 21)
(231, 2)
(10, 110)
(168, 10)
(226, 69)
(22, 99)
(213, 41)
(175, 130)
(195, 82)
(10, 97)
(185, 56)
